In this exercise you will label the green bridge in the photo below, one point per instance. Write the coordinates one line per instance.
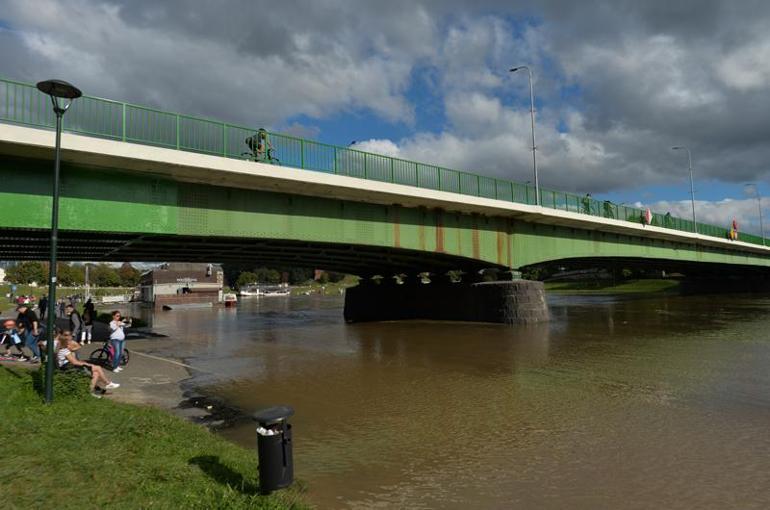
(146, 185)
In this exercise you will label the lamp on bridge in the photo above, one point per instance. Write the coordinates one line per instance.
(62, 95)
(532, 119)
(692, 187)
(759, 205)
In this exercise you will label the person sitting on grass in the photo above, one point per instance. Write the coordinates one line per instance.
(67, 360)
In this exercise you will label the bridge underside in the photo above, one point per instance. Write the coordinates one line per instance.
(34, 244)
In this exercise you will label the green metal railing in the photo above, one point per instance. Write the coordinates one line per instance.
(22, 103)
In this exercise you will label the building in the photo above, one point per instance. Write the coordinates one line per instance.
(182, 283)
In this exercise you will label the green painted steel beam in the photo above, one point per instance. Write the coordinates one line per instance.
(109, 214)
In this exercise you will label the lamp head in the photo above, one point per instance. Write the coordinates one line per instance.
(59, 88)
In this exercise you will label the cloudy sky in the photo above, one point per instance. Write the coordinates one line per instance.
(617, 83)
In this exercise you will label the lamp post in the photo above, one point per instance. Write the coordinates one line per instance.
(532, 120)
(62, 94)
(759, 205)
(692, 187)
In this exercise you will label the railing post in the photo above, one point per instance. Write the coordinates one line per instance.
(365, 177)
(224, 140)
(438, 171)
(335, 160)
(177, 131)
(478, 185)
(301, 153)
(123, 114)
(392, 170)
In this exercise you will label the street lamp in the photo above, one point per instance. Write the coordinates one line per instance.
(692, 187)
(62, 95)
(759, 205)
(532, 119)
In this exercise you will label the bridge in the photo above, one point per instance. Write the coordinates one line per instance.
(146, 185)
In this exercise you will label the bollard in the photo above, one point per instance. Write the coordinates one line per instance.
(274, 450)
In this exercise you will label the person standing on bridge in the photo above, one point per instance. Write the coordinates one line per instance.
(587, 203)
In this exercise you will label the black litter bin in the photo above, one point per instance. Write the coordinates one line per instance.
(276, 463)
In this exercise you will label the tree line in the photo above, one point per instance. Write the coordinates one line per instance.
(237, 275)
(73, 275)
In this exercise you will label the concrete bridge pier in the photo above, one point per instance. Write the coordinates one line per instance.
(507, 302)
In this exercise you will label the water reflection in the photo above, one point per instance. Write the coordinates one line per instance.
(633, 403)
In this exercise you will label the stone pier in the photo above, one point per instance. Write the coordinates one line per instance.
(508, 302)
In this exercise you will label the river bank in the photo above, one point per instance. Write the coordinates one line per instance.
(89, 453)
(611, 287)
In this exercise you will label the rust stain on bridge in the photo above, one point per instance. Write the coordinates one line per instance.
(439, 232)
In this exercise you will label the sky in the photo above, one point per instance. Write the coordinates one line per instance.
(617, 83)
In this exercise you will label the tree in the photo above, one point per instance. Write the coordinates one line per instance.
(103, 275)
(129, 275)
(300, 275)
(27, 272)
(245, 278)
(69, 275)
(266, 275)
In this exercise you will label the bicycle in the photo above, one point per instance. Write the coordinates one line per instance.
(104, 355)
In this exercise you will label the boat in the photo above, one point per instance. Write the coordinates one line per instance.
(264, 290)
(230, 299)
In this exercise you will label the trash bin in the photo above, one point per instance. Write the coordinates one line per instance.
(276, 463)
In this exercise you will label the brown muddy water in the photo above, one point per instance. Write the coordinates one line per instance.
(618, 402)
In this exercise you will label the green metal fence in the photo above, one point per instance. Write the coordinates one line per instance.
(22, 103)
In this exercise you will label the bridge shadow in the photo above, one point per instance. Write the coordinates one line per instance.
(213, 467)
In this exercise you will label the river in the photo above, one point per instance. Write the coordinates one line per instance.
(618, 402)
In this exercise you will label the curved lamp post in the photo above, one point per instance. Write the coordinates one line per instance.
(532, 119)
(759, 205)
(62, 94)
(692, 187)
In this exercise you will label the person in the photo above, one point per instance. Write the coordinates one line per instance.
(76, 321)
(117, 339)
(29, 321)
(66, 359)
(88, 324)
(42, 306)
(10, 338)
(62, 308)
(587, 203)
(90, 307)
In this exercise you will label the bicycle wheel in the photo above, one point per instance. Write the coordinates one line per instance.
(100, 357)
(124, 358)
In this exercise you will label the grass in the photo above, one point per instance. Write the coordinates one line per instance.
(80, 452)
(607, 287)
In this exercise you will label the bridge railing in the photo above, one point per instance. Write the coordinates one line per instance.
(22, 103)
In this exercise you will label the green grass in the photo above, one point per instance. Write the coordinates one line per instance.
(607, 287)
(80, 452)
